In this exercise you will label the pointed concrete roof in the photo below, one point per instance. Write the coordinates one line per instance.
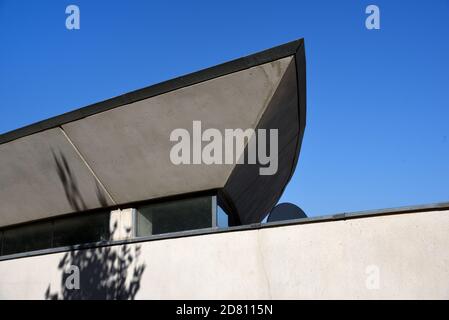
(116, 152)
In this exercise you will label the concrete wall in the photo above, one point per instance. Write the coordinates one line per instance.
(393, 256)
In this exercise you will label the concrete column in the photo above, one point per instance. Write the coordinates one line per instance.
(121, 224)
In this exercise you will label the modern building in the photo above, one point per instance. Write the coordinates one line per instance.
(92, 206)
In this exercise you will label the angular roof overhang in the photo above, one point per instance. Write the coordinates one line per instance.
(116, 152)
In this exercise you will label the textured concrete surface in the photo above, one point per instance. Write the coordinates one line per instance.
(129, 148)
(401, 256)
(41, 176)
(253, 195)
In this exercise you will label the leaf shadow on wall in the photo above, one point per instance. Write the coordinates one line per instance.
(103, 272)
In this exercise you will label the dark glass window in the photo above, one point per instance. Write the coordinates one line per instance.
(65, 231)
(151, 219)
(30, 237)
(79, 229)
(174, 216)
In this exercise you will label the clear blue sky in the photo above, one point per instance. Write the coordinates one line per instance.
(377, 130)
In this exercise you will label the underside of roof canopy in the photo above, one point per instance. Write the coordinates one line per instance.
(117, 152)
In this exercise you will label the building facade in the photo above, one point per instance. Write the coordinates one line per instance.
(104, 203)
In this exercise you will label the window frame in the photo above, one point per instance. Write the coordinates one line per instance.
(214, 211)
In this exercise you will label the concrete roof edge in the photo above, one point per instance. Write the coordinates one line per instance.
(216, 71)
